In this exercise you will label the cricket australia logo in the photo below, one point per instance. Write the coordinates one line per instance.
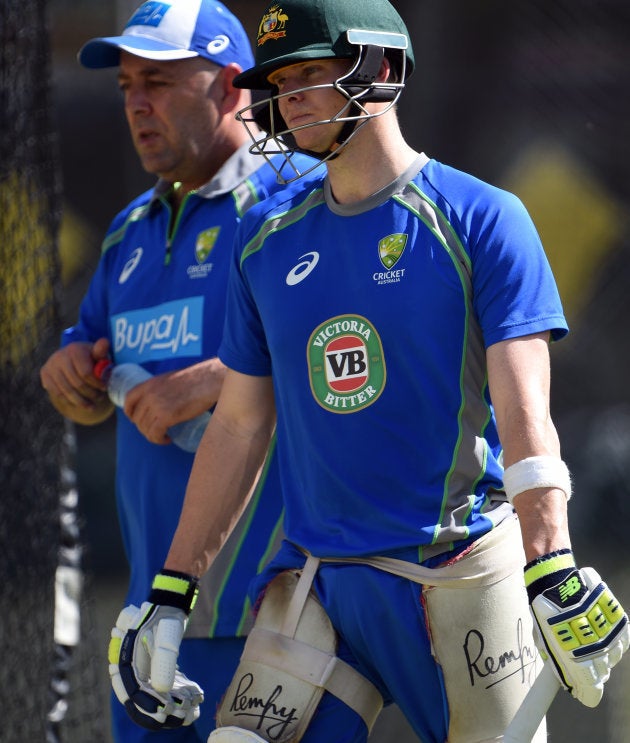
(390, 249)
(272, 25)
(346, 364)
(206, 241)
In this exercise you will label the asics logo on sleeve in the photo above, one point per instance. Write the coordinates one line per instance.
(169, 330)
(308, 261)
(130, 266)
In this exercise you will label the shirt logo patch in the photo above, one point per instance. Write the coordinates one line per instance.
(298, 273)
(169, 330)
(149, 14)
(272, 25)
(206, 241)
(390, 249)
(130, 266)
(346, 364)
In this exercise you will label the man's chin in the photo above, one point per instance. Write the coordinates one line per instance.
(316, 146)
(152, 164)
(318, 141)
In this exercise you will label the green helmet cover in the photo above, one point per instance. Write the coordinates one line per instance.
(292, 31)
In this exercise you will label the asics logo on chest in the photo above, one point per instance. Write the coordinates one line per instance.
(298, 273)
(131, 265)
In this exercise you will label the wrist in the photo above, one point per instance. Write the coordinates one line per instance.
(537, 472)
(548, 570)
(172, 588)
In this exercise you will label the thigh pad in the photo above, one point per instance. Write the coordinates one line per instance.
(288, 662)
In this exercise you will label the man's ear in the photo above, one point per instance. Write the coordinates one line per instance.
(385, 72)
(231, 96)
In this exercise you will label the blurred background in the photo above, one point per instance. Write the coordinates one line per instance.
(530, 95)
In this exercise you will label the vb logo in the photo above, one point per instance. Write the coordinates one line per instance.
(570, 588)
(346, 364)
(346, 367)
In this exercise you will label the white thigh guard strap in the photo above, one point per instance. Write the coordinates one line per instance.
(288, 662)
(234, 735)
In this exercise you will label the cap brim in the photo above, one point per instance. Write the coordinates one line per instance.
(256, 77)
(105, 52)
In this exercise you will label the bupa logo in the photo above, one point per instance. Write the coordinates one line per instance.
(169, 330)
(148, 14)
(346, 364)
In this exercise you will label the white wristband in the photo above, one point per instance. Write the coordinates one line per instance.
(536, 472)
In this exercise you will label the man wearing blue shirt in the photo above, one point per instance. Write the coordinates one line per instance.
(157, 299)
(390, 325)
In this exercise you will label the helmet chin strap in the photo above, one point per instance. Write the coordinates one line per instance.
(335, 150)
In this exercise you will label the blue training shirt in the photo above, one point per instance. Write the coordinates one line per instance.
(159, 295)
(374, 319)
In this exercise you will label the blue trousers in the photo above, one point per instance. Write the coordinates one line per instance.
(381, 625)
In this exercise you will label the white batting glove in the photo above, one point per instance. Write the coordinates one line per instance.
(143, 656)
(581, 627)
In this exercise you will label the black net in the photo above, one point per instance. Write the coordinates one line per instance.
(31, 435)
(32, 439)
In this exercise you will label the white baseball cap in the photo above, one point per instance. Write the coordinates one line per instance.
(174, 29)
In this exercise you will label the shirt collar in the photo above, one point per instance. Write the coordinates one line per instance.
(239, 166)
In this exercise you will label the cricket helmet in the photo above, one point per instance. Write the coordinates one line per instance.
(293, 31)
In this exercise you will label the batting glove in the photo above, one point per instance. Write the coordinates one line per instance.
(579, 625)
(143, 654)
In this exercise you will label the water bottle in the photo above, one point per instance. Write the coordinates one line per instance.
(120, 378)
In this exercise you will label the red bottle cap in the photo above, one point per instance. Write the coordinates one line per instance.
(102, 368)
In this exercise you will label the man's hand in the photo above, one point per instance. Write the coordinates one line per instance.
(582, 628)
(172, 397)
(143, 656)
(68, 378)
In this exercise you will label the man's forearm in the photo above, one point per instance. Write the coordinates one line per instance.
(543, 518)
(222, 479)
